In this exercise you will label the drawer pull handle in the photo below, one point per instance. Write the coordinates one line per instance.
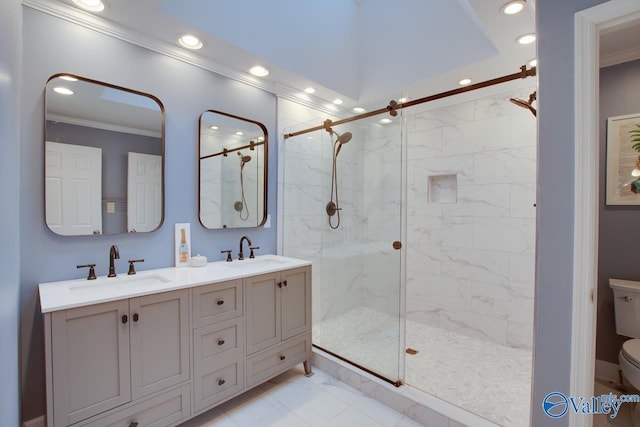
(133, 424)
(125, 318)
(220, 302)
(282, 357)
(135, 317)
(220, 342)
(221, 382)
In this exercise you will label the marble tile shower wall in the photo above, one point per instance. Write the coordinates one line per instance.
(470, 255)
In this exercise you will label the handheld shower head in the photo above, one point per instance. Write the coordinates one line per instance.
(243, 159)
(526, 104)
(342, 139)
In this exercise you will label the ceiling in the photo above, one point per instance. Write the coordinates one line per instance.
(361, 51)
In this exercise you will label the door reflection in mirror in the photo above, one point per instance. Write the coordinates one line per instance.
(119, 188)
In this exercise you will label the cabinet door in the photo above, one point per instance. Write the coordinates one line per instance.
(90, 360)
(263, 311)
(159, 341)
(296, 302)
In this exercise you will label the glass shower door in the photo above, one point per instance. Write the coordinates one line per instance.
(360, 277)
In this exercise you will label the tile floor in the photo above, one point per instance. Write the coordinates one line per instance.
(294, 400)
(623, 419)
(468, 372)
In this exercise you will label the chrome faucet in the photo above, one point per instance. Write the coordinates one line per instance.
(241, 254)
(113, 254)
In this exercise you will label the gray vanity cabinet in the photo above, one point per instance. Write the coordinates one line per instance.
(106, 355)
(278, 322)
(90, 347)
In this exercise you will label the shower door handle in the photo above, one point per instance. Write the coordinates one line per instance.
(397, 245)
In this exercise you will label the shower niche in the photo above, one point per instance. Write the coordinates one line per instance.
(443, 188)
(232, 171)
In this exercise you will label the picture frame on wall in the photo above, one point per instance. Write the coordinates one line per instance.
(623, 160)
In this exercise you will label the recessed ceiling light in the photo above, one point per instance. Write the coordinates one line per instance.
(533, 62)
(358, 110)
(90, 5)
(239, 133)
(69, 78)
(189, 41)
(213, 127)
(310, 90)
(513, 7)
(337, 101)
(63, 90)
(464, 82)
(385, 121)
(259, 71)
(526, 38)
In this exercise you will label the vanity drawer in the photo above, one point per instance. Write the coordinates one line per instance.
(163, 410)
(213, 342)
(216, 385)
(217, 302)
(271, 362)
(218, 361)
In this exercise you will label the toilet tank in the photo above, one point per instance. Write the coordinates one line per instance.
(626, 302)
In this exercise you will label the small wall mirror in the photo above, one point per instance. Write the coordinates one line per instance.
(104, 158)
(233, 171)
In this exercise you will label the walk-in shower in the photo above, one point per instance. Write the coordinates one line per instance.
(436, 254)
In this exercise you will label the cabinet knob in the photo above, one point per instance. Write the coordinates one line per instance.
(221, 382)
(220, 342)
(284, 283)
(280, 284)
(220, 302)
(125, 318)
(135, 317)
(133, 424)
(282, 357)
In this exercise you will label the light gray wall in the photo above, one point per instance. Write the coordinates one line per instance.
(186, 91)
(619, 231)
(554, 278)
(10, 72)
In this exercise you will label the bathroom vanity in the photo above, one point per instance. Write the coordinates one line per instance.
(163, 346)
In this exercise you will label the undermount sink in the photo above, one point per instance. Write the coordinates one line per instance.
(261, 261)
(119, 282)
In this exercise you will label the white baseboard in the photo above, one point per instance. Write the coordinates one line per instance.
(35, 422)
(607, 370)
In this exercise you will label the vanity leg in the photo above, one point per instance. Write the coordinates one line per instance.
(307, 368)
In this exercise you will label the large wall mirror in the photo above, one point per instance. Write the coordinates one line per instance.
(233, 171)
(104, 158)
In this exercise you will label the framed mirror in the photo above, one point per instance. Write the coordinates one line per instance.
(232, 171)
(104, 158)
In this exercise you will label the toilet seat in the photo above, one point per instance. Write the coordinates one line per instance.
(631, 352)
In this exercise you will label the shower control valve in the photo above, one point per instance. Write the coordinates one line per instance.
(251, 248)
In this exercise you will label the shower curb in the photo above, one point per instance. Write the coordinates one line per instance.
(421, 407)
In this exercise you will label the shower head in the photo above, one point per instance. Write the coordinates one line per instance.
(243, 159)
(526, 104)
(342, 139)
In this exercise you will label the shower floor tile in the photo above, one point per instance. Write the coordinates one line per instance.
(482, 377)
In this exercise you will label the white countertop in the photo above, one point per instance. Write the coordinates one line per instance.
(80, 292)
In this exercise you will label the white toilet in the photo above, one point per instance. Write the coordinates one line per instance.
(626, 302)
